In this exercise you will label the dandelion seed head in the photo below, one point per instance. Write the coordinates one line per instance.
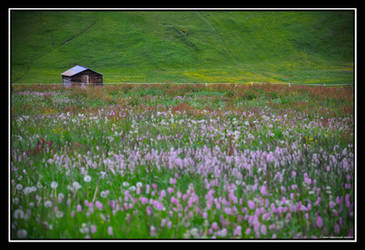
(87, 178)
(54, 185)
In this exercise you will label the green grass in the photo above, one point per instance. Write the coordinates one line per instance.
(126, 137)
(184, 46)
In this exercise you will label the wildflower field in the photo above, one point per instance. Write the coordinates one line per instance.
(166, 161)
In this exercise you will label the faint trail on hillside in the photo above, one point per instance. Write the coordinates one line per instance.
(54, 48)
(77, 35)
(219, 36)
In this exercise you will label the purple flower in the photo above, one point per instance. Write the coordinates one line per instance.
(110, 230)
(148, 210)
(332, 204)
(157, 205)
(251, 204)
(99, 205)
(93, 229)
(347, 200)
(263, 190)
(143, 200)
(263, 229)
(338, 200)
(228, 210)
(237, 231)
(163, 222)
(337, 228)
(163, 194)
(172, 181)
(215, 226)
(112, 204)
(319, 221)
(174, 200)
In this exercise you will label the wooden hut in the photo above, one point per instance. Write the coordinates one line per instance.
(79, 75)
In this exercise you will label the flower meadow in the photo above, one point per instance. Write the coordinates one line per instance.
(190, 161)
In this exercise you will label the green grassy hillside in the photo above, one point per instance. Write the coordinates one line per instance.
(184, 46)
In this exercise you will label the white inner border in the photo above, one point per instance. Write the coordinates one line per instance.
(177, 9)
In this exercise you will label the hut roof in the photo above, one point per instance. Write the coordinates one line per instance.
(75, 70)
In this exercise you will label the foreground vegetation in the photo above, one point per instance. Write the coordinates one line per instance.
(182, 161)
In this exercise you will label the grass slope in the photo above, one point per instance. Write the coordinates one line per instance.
(184, 46)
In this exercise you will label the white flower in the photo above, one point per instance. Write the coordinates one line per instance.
(59, 214)
(76, 185)
(18, 214)
(27, 190)
(19, 186)
(87, 178)
(103, 194)
(22, 233)
(48, 203)
(194, 232)
(54, 185)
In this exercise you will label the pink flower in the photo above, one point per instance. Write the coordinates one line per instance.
(112, 204)
(237, 231)
(332, 204)
(172, 181)
(338, 200)
(157, 205)
(174, 200)
(148, 210)
(228, 210)
(110, 230)
(248, 231)
(347, 200)
(79, 208)
(337, 228)
(319, 221)
(214, 226)
(143, 200)
(170, 190)
(251, 204)
(93, 229)
(163, 194)
(163, 222)
(263, 229)
(99, 205)
(263, 190)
